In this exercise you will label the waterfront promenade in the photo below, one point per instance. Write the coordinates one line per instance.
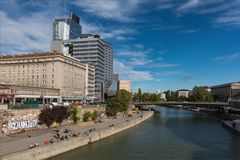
(16, 146)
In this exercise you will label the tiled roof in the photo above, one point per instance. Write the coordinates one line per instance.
(28, 55)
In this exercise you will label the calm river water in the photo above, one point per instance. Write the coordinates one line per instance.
(170, 134)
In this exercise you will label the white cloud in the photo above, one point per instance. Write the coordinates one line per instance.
(187, 31)
(106, 33)
(25, 34)
(127, 72)
(137, 57)
(130, 53)
(227, 12)
(142, 57)
(190, 4)
(140, 46)
(164, 6)
(110, 9)
(228, 58)
(27, 30)
(227, 20)
(230, 17)
(172, 73)
(139, 61)
(32, 31)
(160, 80)
(161, 65)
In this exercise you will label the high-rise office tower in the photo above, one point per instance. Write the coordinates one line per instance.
(67, 28)
(108, 64)
(88, 48)
(91, 49)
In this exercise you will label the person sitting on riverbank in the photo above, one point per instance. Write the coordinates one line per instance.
(111, 125)
(46, 141)
(130, 115)
(55, 136)
(62, 138)
(66, 137)
(51, 141)
(75, 134)
(66, 130)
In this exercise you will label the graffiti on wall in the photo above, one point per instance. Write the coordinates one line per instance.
(28, 121)
(13, 125)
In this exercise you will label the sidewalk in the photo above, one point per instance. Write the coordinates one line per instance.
(20, 142)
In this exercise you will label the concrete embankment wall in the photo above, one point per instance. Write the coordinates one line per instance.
(47, 151)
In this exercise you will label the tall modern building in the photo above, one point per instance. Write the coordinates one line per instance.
(108, 65)
(67, 28)
(90, 82)
(91, 49)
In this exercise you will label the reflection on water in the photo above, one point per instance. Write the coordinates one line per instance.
(170, 134)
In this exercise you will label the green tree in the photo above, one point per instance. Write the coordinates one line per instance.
(119, 103)
(125, 95)
(94, 115)
(86, 116)
(135, 97)
(60, 114)
(173, 97)
(74, 114)
(201, 95)
(56, 114)
(46, 117)
(139, 94)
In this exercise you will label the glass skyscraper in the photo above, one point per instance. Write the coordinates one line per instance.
(67, 28)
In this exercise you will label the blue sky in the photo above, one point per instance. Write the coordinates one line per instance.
(158, 44)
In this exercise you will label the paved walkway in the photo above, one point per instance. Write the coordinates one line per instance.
(21, 141)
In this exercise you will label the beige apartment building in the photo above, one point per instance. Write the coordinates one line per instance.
(225, 91)
(50, 70)
(124, 84)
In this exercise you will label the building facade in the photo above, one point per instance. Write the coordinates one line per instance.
(108, 65)
(90, 82)
(91, 49)
(44, 70)
(225, 91)
(66, 28)
(124, 84)
(183, 93)
(12, 94)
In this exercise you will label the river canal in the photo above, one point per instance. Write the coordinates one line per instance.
(170, 134)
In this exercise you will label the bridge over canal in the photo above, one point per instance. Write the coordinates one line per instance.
(217, 106)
